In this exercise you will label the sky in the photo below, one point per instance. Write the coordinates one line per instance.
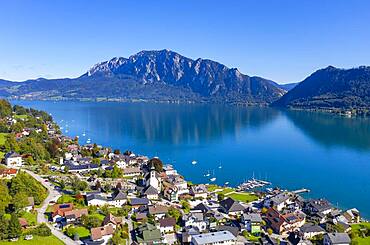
(282, 40)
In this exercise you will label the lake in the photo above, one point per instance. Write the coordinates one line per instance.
(328, 154)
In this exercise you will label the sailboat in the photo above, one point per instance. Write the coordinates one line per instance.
(83, 134)
(213, 178)
(194, 162)
(220, 166)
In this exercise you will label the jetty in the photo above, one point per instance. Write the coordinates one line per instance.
(303, 190)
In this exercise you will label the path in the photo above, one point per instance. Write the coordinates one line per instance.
(53, 195)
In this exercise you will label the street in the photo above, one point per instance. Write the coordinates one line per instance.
(53, 196)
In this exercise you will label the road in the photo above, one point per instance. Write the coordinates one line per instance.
(53, 196)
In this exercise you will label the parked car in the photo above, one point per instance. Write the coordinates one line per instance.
(14, 239)
(28, 237)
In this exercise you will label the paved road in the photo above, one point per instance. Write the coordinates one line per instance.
(53, 196)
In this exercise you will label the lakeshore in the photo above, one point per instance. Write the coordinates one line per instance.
(106, 195)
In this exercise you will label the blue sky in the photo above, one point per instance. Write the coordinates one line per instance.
(281, 40)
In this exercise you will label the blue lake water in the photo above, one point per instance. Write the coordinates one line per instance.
(328, 154)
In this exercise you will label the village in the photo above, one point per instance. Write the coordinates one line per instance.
(97, 195)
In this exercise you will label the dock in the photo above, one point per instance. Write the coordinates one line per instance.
(303, 190)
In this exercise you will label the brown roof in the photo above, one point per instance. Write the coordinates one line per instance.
(60, 209)
(110, 218)
(23, 222)
(166, 222)
(158, 209)
(98, 232)
(8, 171)
(76, 212)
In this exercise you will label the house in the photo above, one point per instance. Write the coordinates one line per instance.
(169, 170)
(131, 172)
(167, 225)
(138, 202)
(283, 223)
(188, 233)
(118, 199)
(219, 237)
(59, 211)
(148, 234)
(81, 168)
(30, 204)
(252, 222)
(171, 194)
(98, 199)
(13, 160)
(8, 173)
(179, 183)
(158, 211)
(199, 191)
(308, 231)
(74, 215)
(231, 206)
(352, 216)
(110, 219)
(151, 193)
(102, 234)
(336, 239)
(195, 219)
(314, 206)
(23, 222)
(278, 201)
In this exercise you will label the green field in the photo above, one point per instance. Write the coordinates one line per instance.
(358, 231)
(242, 196)
(2, 138)
(82, 232)
(30, 217)
(21, 116)
(50, 240)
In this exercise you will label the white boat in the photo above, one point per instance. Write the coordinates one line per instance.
(212, 179)
(194, 162)
(83, 134)
(207, 175)
(226, 183)
(220, 166)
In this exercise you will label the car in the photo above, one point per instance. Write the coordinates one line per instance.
(28, 237)
(14, 239)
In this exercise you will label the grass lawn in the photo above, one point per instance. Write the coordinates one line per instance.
(356, 229)
(98, 215)
(66, 199)
(242, 196)
(23, 117)
(2, 138)
(50, 240)
(30, 217)
(82, 232)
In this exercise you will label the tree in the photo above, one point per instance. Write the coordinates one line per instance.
(220, 197)
(185, 206)
(20, 200)
(117, 151)
(3, 127)
(116, 172)
(157, 163)
(14, 228)
(3, 228)
(5, 198)
(175, 213)
(11, 143)
(5, 108)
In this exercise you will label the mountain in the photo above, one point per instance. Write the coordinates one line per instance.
(331, 88)
(154, 75)
(287, 86)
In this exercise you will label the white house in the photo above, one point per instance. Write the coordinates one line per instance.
(13, 160)
(213, 238)
(195, 220)
(167, 225)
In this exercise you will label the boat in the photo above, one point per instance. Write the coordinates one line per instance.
(83, 134)
(226, 183)
(212, 179)
(220, 166)
(194, 162)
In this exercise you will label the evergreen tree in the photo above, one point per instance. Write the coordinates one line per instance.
(14, 228)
